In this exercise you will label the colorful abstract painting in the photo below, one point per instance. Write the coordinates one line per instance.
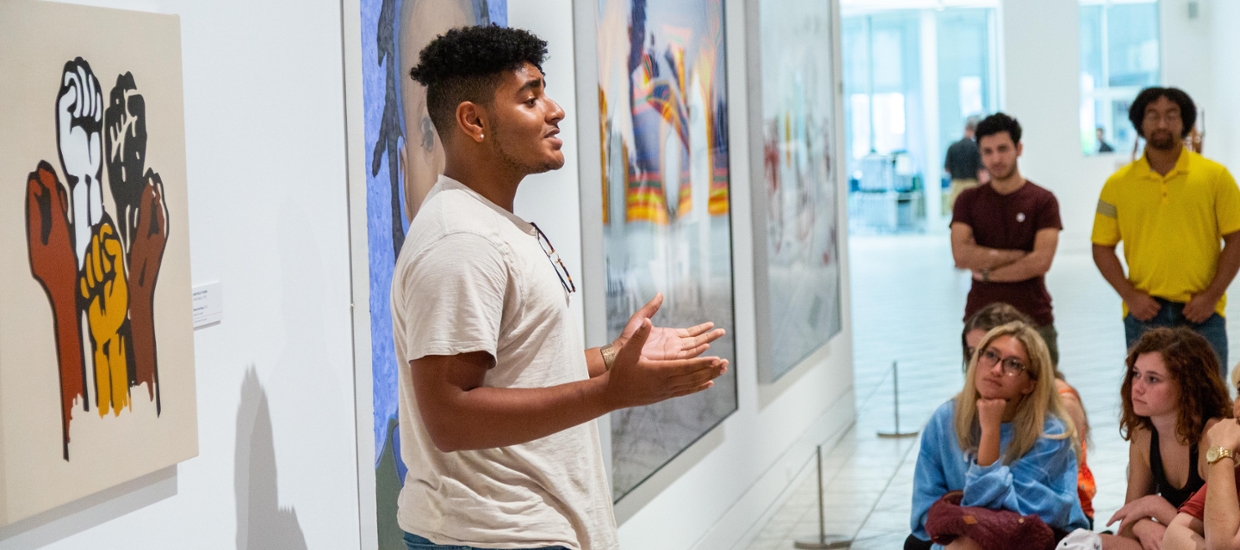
(798, 262)
(404, 159)
(667, 221)
(96, 338)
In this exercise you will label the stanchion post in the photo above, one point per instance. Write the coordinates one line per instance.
(823, 540)
(895, 400)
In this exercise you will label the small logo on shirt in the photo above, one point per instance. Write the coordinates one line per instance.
(1020, 217)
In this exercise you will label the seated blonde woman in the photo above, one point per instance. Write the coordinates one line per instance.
(1171, 397)
(1006, 443)
(999, 313)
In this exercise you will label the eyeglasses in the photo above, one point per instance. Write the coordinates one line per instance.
(1170, 117)
(1011, 365)
(556, 262)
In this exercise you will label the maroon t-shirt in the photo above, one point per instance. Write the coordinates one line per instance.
(1009, 222)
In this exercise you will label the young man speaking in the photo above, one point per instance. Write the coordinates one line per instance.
(497, 401)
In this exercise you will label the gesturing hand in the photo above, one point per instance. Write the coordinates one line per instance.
(79, 137)
(668, 343)
(635, 380)
(990, 412)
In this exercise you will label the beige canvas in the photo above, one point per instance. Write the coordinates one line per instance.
(96, 336)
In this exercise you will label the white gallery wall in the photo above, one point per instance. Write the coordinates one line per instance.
(1039, 68)
(1223, 45)
(266, 166)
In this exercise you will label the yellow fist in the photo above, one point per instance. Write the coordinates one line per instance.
(106, 294)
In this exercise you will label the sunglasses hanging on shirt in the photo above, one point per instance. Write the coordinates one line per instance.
(560, 270)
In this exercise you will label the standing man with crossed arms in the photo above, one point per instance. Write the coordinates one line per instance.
(1006, 232)
(497, 398)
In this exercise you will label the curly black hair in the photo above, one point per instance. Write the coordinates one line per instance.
(467, 64)
(1188, 110)
(996, 123)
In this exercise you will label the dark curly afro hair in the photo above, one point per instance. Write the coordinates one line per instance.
(467, 64)
(1188, 110)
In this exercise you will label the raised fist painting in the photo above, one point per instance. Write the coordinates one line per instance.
(97, 379)
(95, 265)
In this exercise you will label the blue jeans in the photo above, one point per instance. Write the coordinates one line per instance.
(1171, 314)
(415, 542)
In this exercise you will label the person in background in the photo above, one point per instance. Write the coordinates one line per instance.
(1103, 146)
(997, 314)
(1171, 397)
(1211, 519)
(1004, 441)
(1171, 208)
(963, 163)
(1006, 232)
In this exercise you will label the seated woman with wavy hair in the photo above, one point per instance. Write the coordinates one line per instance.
(997, 466)
(1172, 395)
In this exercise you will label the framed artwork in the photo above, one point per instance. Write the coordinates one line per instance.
(662, 93)
(793, 174)
(97, 379)
(402, 160)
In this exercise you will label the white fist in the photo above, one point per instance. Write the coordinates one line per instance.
(79, 135)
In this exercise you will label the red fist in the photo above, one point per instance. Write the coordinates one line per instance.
(49, 237)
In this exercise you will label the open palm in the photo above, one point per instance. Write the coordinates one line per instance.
(666, 344)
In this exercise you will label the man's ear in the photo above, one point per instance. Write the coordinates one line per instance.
(471, 120)
(1020, 148)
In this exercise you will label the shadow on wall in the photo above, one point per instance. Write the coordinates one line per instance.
(87, 513)
(261, 523)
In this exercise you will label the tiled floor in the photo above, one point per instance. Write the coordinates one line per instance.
(907, 306)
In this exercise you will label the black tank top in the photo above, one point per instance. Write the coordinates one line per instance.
(1175, 496)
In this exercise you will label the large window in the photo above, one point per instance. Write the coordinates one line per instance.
(911, 79)
(881, 76)
(1119, 57)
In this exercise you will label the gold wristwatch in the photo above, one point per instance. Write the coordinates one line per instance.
(609, 355)
(1215, 454)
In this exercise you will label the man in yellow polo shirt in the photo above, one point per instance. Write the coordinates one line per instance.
(1171, 208)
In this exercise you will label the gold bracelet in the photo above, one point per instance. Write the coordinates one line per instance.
(609, 355)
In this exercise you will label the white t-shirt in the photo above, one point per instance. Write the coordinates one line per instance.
(472, 277)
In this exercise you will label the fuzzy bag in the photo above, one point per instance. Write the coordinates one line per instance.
(991, 529)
